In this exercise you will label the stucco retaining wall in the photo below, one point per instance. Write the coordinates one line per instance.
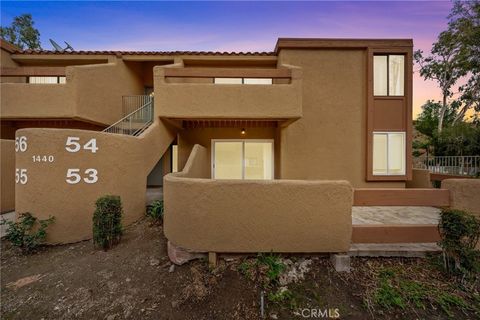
(255, 216)
(7, 175)
(420, 179)
(122, 162)
(464, 194)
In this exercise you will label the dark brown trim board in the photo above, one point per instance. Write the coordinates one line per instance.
(400, 233)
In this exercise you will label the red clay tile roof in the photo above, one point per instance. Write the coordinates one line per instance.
(159, 53)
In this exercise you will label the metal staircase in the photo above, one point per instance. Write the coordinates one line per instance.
(136, 122)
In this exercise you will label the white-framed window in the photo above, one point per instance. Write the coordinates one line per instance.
(264, 81)
(389, 152)
(47, 80)
(248, 159)
(388, 75)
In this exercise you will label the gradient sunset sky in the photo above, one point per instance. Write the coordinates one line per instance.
(232, 26)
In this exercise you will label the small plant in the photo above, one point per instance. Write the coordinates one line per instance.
(107, 224)
(386, 295)
(274, 266)
(281, 295)
(446, 300)
(459, 232)
(28, 233)
(155, 210)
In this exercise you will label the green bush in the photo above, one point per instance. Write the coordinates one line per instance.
(459, 233)
(107, 224)
(28, 233)
(274, 265)
(155, 210)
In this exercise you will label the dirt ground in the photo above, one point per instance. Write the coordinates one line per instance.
(135, 280)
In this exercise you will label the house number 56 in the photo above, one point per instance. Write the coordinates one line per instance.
(74, 177)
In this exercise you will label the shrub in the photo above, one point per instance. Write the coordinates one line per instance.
(155, 210)
(28, 233)
(273, 264)
(459, 233)
(107, 224)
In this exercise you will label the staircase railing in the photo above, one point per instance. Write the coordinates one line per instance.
(133, 102)
(134, 123)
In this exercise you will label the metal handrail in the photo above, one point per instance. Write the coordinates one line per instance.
(134, 123)
(455, 165)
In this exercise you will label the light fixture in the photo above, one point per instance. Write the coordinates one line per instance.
(243, 131)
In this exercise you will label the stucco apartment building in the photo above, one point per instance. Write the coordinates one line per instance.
(88, 123)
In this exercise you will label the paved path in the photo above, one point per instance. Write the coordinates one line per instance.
(395, 215)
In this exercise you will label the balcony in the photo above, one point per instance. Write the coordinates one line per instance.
(191, 93)
(89, 93)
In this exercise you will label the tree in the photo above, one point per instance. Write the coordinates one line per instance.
(427, 121)
(464, 23)
(22, 33)
(443, 66)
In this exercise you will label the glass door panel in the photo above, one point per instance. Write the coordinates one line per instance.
(258, 160)
(228, 158)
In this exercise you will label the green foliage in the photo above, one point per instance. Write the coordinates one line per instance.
(245, 268)
(107, 225)
(446, 301)
(28, 233)
(155, 210)
(386, 295)
(396, 292)
(22, 33)
(281, 296)
(459, 232)
(462, 139)
(427, 121)
(274, 266)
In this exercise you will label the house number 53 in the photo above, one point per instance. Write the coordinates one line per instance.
(74, 177)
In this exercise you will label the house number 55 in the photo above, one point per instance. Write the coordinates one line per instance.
(74, 177)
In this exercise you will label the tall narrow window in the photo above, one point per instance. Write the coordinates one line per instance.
(388, 153)
(388, 75)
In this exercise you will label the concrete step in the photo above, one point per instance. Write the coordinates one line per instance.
(409, 250)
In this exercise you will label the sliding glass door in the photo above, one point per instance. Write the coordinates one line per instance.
(242, 159)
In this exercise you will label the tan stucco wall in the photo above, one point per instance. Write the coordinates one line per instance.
(92, 93)
(7, 61)
(464, 194)
(7, 150)
(255, 216)
(420, 179)
(329, 141)
(122, 162)
(187, 138)
(203, 100)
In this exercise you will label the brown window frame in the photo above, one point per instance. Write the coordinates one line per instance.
(388, 72)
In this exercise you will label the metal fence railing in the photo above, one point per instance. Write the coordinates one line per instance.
(134, 102)
(455, 165)
(135, 122)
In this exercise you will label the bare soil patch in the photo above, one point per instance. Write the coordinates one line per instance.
(134, 280)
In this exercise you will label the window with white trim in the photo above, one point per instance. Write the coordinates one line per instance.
(46, 80)
(264, 81)
(389, 153)
(388, 75)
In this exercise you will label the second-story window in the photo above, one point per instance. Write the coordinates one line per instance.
(388, 75)
(243, 81)
(46, 80)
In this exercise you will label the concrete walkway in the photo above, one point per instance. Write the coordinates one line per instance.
(395, 215)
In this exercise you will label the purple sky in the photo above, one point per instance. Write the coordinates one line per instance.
(232, 26)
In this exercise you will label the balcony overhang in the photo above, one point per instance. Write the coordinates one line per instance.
(191, 94)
